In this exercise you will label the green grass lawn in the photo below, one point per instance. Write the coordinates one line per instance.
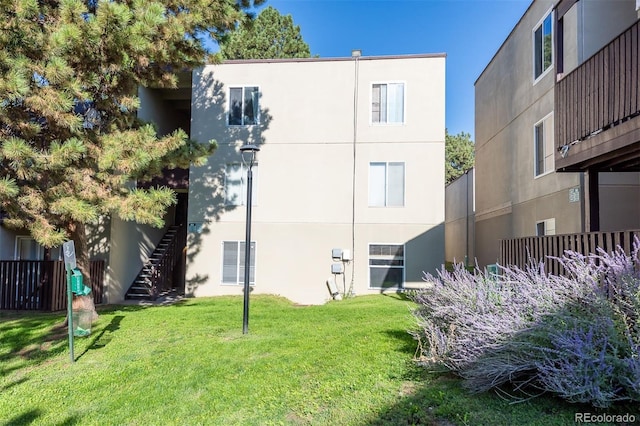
(344, 363)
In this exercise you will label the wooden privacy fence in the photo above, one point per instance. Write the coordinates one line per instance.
(41, 285)
(520, 251)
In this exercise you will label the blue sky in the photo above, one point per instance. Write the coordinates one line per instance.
(468, 31)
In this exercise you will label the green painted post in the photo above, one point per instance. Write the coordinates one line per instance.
(69, 251)
(70, 314)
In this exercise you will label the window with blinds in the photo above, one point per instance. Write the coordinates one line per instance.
(387, 103)
(386, 266)
(233, 263)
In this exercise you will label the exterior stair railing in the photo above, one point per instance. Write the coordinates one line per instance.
(155, 277)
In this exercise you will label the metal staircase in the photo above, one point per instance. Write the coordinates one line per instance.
(156, 274)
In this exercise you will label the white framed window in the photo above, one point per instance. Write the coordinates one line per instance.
(546, 227)
(244, 109)
(235, 184)
(386, 266)
(387, 103)
(543, 146)
(386, 184)
(27, 248)
(543, 46)
(233, 263)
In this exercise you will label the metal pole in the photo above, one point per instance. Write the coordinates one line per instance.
(70, 315)
(247, 253)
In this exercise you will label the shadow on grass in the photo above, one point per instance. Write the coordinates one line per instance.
(12, 384)
(104, 337)
(32, 337)
(28, 417)
(406, 343)
(25, 418)
(423, 401)
(36, 337)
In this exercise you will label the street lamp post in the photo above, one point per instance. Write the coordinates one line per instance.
(248, 157)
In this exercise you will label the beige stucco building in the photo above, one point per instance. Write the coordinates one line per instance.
(349, 179)
(522, 185)
(351, 158)
(460, 221)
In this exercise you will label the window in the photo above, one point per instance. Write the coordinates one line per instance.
(386, 266)
(542, 47)
(543, 146)
(28, 249)
(233, 263)
(386, 184)
(546, 227)
(243, 106)
(235, 184)
(387, 103)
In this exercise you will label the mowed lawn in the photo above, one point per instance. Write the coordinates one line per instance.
(347, 362)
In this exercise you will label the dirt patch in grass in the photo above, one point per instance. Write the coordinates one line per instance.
(56, 334)
(296, 419)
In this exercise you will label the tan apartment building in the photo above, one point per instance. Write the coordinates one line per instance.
(350, 175)
(459, 223)
(349, 179)
(531, 177)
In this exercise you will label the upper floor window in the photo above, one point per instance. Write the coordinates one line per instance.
(243, 106)
(543, 146)
(387, 103)
(386, 184)
(543, 47)
(235, 184)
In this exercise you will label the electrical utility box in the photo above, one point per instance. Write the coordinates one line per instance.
(336, 254)
(346, 255)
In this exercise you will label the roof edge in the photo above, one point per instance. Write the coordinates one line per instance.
(335, 59)
(505, 40)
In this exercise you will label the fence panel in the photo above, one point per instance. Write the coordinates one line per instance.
(520, 251)
(42, 284)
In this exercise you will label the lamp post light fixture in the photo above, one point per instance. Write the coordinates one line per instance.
(249, 153)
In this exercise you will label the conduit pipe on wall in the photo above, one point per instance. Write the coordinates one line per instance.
(355, 54)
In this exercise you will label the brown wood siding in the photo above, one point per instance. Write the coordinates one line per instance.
(601, 93)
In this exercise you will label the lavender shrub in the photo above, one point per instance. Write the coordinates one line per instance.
(581, 367)
(529, 328)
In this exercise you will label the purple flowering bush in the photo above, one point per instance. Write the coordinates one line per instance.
(576, 335)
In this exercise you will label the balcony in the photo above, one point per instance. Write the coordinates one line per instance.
(598, 110)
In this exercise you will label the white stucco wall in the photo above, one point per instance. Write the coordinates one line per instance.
(305, 179)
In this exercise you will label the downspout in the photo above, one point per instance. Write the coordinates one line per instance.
(355, 54)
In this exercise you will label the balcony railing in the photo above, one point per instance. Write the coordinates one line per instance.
(520, 251)
(601, 93)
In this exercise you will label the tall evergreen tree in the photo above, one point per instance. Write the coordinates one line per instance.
(269, 36)
(70, 139)
(459, 155)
